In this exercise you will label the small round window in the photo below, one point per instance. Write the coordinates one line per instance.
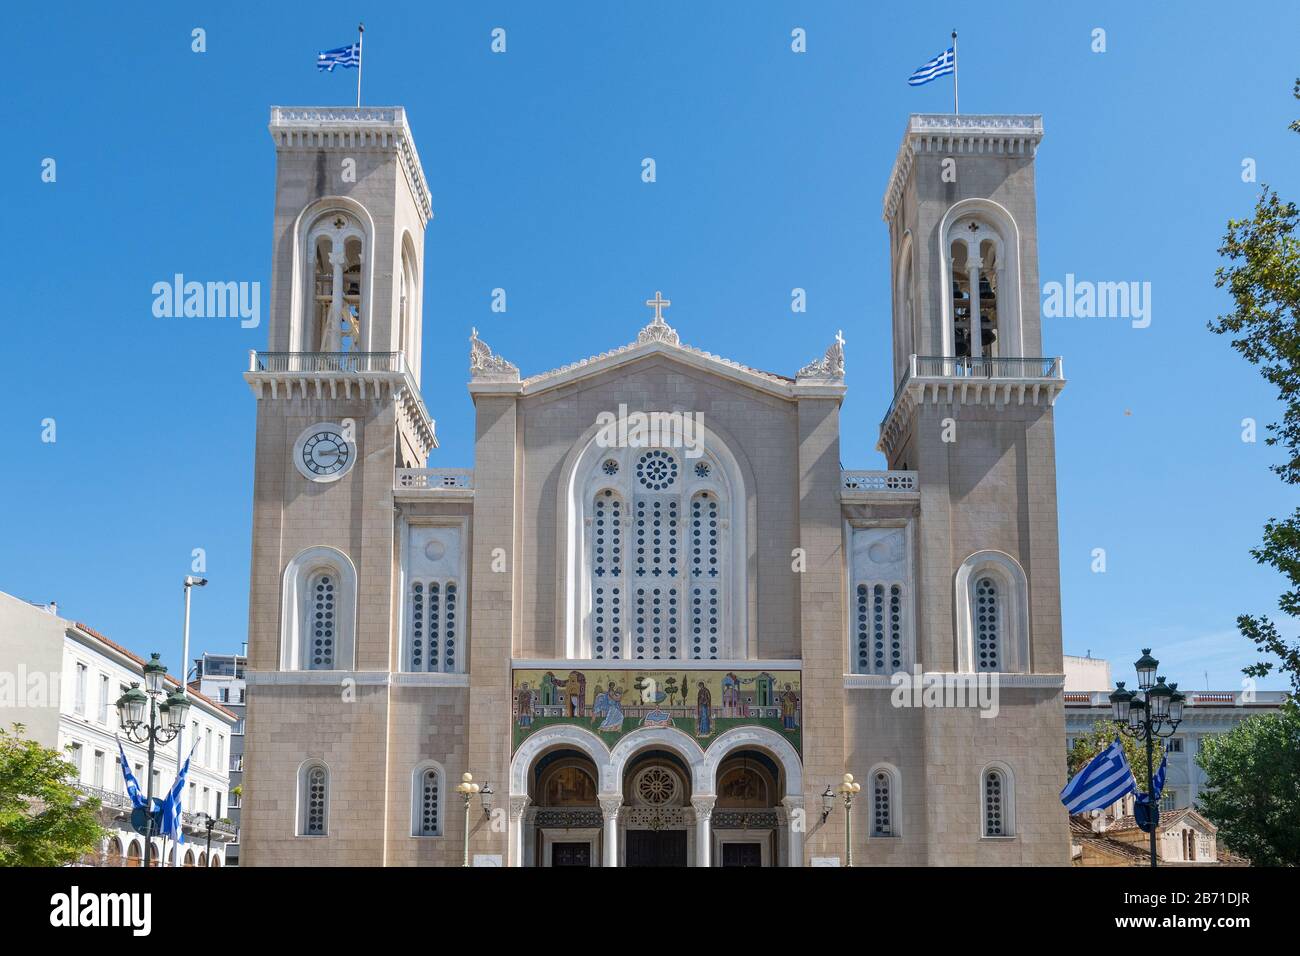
(656, 470)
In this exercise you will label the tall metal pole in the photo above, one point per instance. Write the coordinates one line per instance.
(465, 860)
(848, 829)
(955, 110)
(148, 800)
(361, 33)
(185, 663)
(1151, 785)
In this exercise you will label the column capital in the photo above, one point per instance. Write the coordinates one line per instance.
(703, 804)
(610, 804)
(518, 804)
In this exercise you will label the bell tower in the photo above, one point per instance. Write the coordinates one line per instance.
(973, 416)
(339, 411)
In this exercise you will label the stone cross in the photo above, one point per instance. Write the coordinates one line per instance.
(659, 303)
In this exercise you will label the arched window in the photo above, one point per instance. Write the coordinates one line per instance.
(979, 250)
(904, 309)
(880, 633)
(189, 858)
(319, 611)
(433, 626)
(884, 800)
(336, 246)
(313, 799)
(427, 796)
(998, 802)
(992, 596)
(657, 556)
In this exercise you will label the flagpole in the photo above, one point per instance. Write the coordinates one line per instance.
(955, 110)
(360, 40)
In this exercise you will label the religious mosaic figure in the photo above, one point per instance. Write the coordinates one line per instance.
(703, 704)
(575, 693)
(789, 706)
(609, 704)
(525, 700)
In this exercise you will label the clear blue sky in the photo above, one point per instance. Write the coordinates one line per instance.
(771, 167)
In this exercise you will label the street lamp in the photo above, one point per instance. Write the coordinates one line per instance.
(828, 802)
(467, 788)
(210, 822)
(131, 710)
(849, 789)
(190, 582)
(1154, 715)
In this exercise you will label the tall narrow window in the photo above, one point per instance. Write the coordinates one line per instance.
(322, 621)
(103, 698)
(882, 804)
(427, 802)
(995, 809)
(706, 568)
(961, 299)
(313, 800)
(988, 300)
(433, 627)
(607, 517)
(988, 625)
(80, 700)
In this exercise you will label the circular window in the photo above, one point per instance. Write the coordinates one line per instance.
(609, 466)
(702, 469)
(656, 469)
(657, 787)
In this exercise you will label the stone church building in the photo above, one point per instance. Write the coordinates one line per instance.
(658, 621)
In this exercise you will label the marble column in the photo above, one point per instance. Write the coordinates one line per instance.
(518, 804)
(796, 825)
(610, 804)
(703, 804)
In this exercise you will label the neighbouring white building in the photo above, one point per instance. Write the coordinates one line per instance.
(61, 679)
(1207, 713)
(221, 678)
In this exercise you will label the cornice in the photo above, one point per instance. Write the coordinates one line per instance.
(1008, 134)
(366, 127)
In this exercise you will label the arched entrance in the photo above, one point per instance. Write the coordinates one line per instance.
(114, 857)
(656, 820)
(133, 854)
(746, 823)
(564, 820)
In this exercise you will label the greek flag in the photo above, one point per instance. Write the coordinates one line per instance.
(132, 786)
(348, 56)
(1157, 785)
(941, 65)
(1106, 778)
(171, 807)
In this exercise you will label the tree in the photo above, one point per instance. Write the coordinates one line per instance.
(44, 819)
(1263, 276)
(1101, 736)
(1253, 779)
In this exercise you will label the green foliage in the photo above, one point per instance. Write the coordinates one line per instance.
(1253, 778)
(1101, 736)
(44, 819)
(1263, 276)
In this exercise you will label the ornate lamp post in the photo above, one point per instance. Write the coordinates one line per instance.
(209, 822)
(1153, 712)
(142, 727)
(849, 789)
(467, 788)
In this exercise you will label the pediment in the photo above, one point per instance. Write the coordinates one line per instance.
(492, 373)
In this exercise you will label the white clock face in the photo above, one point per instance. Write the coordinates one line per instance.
(323, 454)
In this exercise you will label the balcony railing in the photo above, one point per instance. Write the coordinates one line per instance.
(965, 369)
(417, 479)
(308, 362)
(941, 366)
(112, 801)
(879, 481)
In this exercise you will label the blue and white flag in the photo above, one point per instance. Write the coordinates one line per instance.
(171, 807)
(132, 785)
(1106, 778)
(345, 56)
(1157, 784)
(942, 65)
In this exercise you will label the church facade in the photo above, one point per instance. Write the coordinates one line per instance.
(657, 622)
